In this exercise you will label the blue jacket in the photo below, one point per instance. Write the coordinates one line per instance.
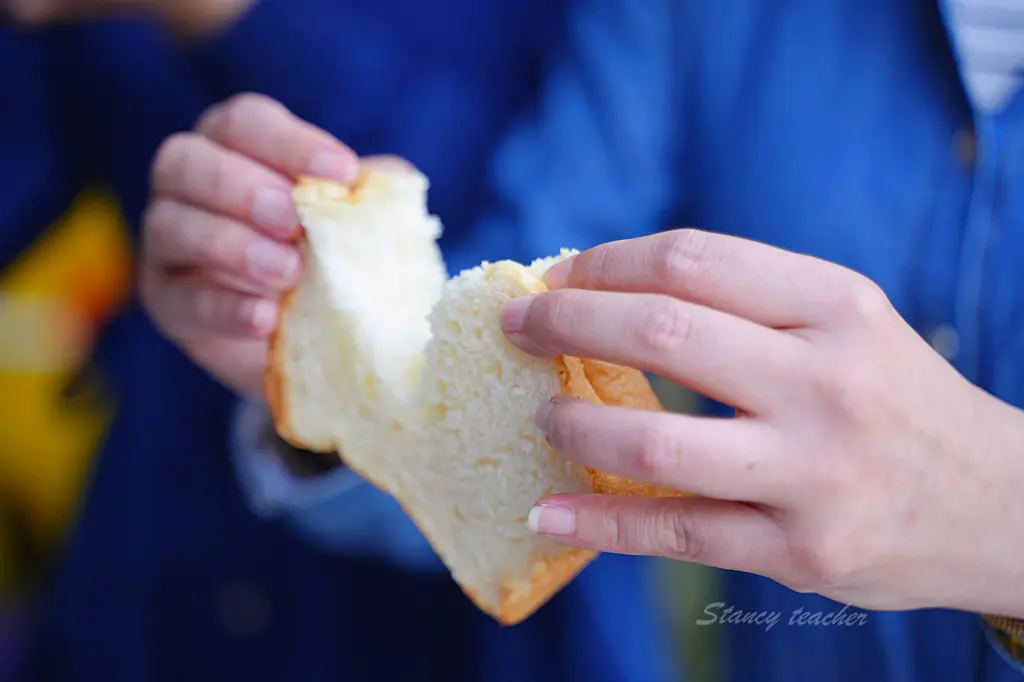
(169, 574)
(847, 129)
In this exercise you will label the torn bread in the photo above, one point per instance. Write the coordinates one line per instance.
(405, 373)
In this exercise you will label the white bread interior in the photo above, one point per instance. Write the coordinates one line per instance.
(378, 356)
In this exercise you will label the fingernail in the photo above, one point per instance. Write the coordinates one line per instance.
(543, 415)
(272, 262)
(272, 208)
(557, 276)
(260, 315)
(552, 520)
(334, 165)
(513, 314)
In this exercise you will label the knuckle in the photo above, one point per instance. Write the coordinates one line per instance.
(683, 257)
(171, 159)
(864, 302)
(216, 180)
(208, 119)
(566, 428)
(549, 313)
(654, 452)
(252, 101)
(683, 539)
(226, 246)
(230, 120)
(620, 535)
(821, 561)
(594, 268)
(665, 326)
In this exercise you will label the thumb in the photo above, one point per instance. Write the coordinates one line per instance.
(388, 163)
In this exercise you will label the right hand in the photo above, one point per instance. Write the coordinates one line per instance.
(218, 236)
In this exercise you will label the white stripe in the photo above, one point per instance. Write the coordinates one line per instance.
(989, 37)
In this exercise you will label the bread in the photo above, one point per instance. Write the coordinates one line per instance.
(406, 374)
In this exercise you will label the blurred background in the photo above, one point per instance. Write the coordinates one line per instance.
(54, 409)
(120, 88)
(54, 301)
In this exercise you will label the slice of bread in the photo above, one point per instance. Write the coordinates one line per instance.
(406, 374)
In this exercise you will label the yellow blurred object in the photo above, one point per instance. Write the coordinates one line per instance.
(52, 303)
(85, 259)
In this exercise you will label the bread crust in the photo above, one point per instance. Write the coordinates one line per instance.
(623, 387)
(275, 382)
(595, 381)
(519, 599)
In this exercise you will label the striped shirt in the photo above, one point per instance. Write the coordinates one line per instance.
(989, 38)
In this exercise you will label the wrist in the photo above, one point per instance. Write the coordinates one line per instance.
(996, 590)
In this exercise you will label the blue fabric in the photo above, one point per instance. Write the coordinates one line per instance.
(168, 574)
(989, 37)
(337, 512)
(830, 128)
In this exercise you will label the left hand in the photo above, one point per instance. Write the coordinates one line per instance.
(188, 18)
(863, 467)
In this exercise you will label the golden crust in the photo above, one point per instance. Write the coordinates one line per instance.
(591, 380)
(369, 184)
(520, 599)
(623, 387)
(274, 380)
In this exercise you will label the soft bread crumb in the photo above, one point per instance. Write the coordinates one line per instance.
(406, 373)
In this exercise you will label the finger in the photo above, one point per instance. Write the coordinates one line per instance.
(189, 305)
(388, 163)
(178, 235)
(193, 170)
(239, 363)
(237, 283)
(729, 535)
(262, 129)
(764, 284)
(723, 357)
(728, 459)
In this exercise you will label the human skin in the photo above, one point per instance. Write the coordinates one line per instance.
(218, 236)
(862, 466)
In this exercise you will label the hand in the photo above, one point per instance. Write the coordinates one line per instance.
(863, 466)
(186, 17)
(218, 234)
